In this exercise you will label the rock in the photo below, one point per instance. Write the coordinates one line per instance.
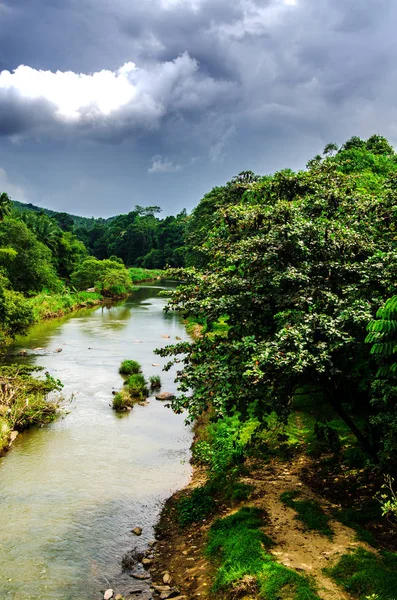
(37, 349)
(139, 575)
(22, 353)
(108, 594)
(177, 337)
(143, 403)
(155, 365)
(58, 350)
(137, 530)
(165, 336)
(166, 577)
(161, 588)
(170, 594)
(165, 396)
(91, 290)
(146, 562)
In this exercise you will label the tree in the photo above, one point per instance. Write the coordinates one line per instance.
(5, 205)
(298, 267)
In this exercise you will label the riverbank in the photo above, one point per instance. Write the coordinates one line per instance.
(299, 527)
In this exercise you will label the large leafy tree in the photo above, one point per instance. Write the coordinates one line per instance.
(297, 266)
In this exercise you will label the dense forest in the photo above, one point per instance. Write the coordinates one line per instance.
(288, 282)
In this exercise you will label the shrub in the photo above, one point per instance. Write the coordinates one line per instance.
(129, 367)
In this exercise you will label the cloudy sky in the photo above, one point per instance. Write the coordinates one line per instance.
(105, 104)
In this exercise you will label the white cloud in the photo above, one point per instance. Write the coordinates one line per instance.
(162, 164)
(16, 192)
(129, 96)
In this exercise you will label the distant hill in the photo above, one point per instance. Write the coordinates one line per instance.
(77, 220)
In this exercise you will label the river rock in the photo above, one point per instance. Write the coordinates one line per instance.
(161, 588)
(22, 353)
(91, 290)
(140, 575)
(147, 562)
(108, 594)
(166, 578)
(165, 396)
(165, 336)
(137, 530)
(58, 350)
(155, 365)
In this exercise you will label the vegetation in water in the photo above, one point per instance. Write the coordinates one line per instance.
(24, 400)
(134, 390)
(155, 382)
(128, 367)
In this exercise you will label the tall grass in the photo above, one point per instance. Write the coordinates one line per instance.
(46, 305)
(138, 274)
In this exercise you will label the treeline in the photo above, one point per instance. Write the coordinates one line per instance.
(46, 270)
(140, 238)
(289, 271)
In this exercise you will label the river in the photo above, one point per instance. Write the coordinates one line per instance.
(71, 492)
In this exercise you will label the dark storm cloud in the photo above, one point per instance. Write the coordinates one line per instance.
(218, 84)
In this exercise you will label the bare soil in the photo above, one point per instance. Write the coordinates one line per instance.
(180, 552)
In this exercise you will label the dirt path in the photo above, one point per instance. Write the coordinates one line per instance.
(180, 552)
(305, 551)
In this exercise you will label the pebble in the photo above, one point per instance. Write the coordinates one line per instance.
(137, 530)
(166, 577)
(108, 594)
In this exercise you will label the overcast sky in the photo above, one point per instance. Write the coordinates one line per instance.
(105, 104)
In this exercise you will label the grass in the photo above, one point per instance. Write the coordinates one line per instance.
(137, 275)
(47, 306)
(136, 386)
(155, 382)
(358, 518)
(309, 513)
(239, 548)
(196, 506)
(365, 574)
(122, 401)
(129, 367)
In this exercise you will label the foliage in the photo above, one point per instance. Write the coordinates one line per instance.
(122, 401)
(108, 276)
(309, 513)
(299, 263)
(138, 275)
(24, 398)
(47, 305)
(155, 382)
(136, 386)
(239, 547)
(196, 506)
(32, 268)
(362, 573)
(128, 367)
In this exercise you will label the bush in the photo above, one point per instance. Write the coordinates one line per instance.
(129, 367)
(4, 434)
(155, 382)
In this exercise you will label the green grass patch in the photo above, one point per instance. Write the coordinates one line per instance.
(129, 367)
(155, 382)
(196, 506)
(238, 546)
(358, 518)
(46, 305)
(138, 274)
(364, 574)
(309, 513)
(136, 386)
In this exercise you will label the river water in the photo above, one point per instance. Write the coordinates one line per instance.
(70, 492)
